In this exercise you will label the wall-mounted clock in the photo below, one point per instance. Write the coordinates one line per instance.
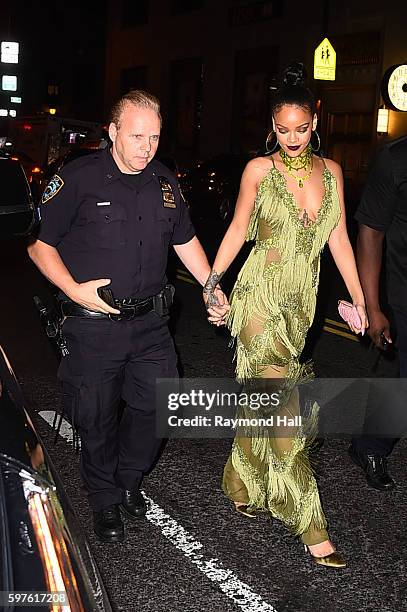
(394, 87)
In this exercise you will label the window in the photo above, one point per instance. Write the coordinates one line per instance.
(185, 108)
(9, 82)
(246, 14)
(9, 52)
(255, 70)
(134, 12)
(185, 6)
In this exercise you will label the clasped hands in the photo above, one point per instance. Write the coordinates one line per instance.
(216, 302)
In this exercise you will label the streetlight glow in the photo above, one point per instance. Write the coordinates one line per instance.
(382, 121)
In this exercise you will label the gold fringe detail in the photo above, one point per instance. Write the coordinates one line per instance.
(272, 308)
(287, 489)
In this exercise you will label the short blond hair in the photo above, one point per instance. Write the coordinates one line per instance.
(137, 97)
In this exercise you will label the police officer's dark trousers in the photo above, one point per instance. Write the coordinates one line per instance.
(109, 361)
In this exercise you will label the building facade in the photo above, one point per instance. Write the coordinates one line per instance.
(213, 65)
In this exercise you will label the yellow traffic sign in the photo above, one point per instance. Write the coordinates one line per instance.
(325, 61)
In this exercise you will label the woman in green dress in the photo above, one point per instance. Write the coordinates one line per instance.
(291, 203)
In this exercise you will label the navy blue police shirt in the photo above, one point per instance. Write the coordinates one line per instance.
(383, 207)
(106, 224)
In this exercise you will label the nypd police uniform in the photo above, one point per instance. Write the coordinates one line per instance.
(107, 224)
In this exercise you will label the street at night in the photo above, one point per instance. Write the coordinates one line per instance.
(203, 203)
(193, 552)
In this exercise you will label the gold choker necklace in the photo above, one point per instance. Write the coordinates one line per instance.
(302, 162)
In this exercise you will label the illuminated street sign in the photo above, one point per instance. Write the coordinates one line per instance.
(325, 61)
(9, 82)
(9, 52)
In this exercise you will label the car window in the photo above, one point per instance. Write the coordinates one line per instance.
(13, 184)
(55, 166)
(75, 153)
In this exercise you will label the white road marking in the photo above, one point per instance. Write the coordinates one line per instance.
(227, 581)
(66, 429)
(236, 590)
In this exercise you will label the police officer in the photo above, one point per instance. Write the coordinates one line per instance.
(108, 220)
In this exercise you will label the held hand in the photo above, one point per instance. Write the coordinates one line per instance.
(214, 298)
(217, 306)
(85, 294)
(379, 329)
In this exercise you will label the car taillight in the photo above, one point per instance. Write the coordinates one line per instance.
(49, 533)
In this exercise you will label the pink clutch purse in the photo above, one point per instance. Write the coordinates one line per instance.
(350, 314)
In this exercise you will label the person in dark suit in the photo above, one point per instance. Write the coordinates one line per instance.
(382, 217)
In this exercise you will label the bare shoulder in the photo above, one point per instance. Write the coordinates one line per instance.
(257, 168)
(334, 167)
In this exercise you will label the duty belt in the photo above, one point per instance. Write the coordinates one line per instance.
(129, 307)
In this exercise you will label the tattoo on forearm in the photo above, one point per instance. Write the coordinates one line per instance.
(212, 281)
(210, 286)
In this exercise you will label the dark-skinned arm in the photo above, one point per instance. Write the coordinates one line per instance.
(369, 251)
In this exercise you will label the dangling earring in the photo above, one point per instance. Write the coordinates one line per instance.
(315, 150)
(269, 137)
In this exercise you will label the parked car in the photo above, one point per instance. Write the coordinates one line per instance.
(32, 170)
(211, 189)
(55, 166)
(17, 207)
(42, 545)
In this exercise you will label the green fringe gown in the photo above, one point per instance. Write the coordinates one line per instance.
(272, 308)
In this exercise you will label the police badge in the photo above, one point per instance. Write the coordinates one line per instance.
(55, 184)
(167, 193)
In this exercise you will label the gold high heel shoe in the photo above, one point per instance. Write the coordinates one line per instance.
(334, 559)
(243, 509)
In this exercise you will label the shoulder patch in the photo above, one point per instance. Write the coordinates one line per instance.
(55, 184)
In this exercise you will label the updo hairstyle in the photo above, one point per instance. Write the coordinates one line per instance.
(293, 90)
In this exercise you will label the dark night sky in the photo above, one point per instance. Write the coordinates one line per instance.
(61, 43)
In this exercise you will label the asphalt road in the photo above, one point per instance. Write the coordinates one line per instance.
(193, 553)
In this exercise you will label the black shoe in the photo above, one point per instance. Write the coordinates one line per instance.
(108, 525)
(375, 468)
(134, 505)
